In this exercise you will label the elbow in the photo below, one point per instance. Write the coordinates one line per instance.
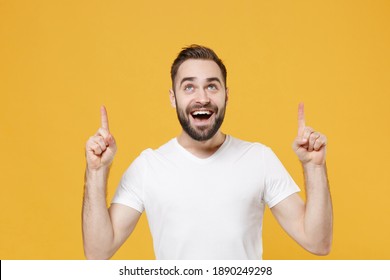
(91, 256)
(323, 251)
(97, 254)
(320, 248)
(97, 249)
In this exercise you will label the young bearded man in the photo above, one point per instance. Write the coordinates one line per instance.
(204, 192)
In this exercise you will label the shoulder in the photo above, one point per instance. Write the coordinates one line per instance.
(244, 151)
(164, 150)
(159, 155)
(246, 146)
(141, 163)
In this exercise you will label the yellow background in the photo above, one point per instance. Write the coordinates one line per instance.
(60, 60)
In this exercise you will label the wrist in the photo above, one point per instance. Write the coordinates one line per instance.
(97, 169)
(96, 177)
(308, 166)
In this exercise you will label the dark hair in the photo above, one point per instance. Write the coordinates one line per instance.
(196, 52)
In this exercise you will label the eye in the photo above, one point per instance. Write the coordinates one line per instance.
(212, 87)
(188, 87)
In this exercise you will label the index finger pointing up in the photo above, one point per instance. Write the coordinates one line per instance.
(301, 119)
(104, 118)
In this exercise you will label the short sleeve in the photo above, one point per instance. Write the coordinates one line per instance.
(278, 182)
(130, 189)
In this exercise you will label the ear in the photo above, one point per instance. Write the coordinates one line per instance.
(227, 94)
(172, 98)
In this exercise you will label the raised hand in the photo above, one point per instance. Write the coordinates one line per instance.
(101, 148)
(309, 145)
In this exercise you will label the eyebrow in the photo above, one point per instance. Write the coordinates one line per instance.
(214, 79)
(187, 79)
(211, 79)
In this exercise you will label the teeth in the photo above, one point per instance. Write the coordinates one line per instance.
(201, 113)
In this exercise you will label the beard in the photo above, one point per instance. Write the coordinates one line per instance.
(201, 133)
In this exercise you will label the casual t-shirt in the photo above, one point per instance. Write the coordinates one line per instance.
(206, 208)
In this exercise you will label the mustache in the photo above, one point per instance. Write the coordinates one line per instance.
(208, 107)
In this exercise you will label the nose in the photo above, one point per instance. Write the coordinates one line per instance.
(203, 97)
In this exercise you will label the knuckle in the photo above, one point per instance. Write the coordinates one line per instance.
(90, 143)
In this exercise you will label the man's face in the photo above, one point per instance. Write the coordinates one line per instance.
(200, 97)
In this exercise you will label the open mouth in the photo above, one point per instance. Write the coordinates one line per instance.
(201, 115)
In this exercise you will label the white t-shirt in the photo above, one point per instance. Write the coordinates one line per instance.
(206, 208)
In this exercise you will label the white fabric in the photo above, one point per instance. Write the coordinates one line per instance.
(206, 208)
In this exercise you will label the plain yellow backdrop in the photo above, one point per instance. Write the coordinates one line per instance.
(61, 60)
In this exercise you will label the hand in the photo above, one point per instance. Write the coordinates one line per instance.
(101, 148)
(310, 145)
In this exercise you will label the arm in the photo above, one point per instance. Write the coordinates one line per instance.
(309, 224)
(104, 230)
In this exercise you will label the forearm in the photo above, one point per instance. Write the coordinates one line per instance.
(98, 232)
(318, 220)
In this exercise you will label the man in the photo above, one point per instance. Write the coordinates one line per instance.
(204, 192)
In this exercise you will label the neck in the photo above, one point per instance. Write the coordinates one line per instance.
(201, 149)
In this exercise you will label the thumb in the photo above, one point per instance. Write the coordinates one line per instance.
(299, 142)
